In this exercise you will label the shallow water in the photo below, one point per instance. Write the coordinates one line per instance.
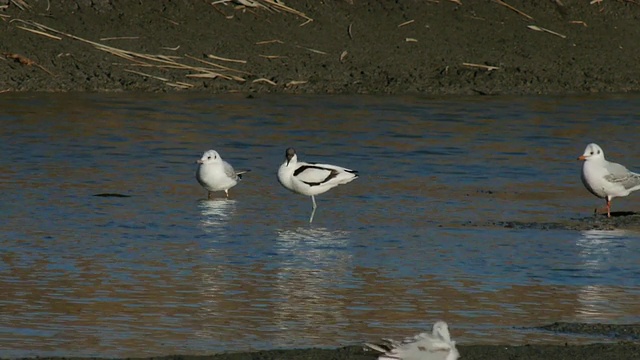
(165, 271)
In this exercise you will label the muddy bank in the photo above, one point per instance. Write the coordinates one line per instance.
(626, 347)
(618, 351)
(618, 220)
(621, 332)
(404, 47)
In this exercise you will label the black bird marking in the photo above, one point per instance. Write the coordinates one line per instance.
(112, 195)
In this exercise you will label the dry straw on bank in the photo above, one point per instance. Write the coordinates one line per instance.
(210, 71)
(271, 5)
(204, 69)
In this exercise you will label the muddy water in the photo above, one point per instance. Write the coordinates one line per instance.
(418, 237)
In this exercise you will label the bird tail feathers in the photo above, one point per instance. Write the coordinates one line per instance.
(239, 173)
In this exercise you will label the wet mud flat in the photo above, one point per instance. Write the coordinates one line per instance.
(618, 351)
(617, 221)
(308, 46)
(623, 344)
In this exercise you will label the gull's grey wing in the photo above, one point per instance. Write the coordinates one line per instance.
(621, 175)
(228, 170)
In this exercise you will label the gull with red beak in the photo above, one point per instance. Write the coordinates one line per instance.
(606, 179)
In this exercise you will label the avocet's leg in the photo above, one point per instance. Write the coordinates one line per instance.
(313, 199)
(227, 192)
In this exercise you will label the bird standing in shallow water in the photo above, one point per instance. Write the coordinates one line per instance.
(606, 179)
(310, 178)
(215, 174)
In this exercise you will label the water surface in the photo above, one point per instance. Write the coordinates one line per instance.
(165, 271)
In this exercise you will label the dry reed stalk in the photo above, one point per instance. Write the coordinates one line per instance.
(579, 22)
(343, 55)
(120, 38)
(295, 83)
(263, 80)
(207, 75)
(512, 9)
(538, 28)
(179, 85)
(21, 4)
(480, 66)
(406, 23)
(147, 75)
(40, 33)
(312, 50)
(411, 40)
(173, 22)
(140, 59)
(220, 11)
(226, 59)
(269, 42)
(269, 5)
(184, 84)
(221, 67)
(272, 56)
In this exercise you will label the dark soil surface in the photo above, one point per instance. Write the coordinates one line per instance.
(350, 46)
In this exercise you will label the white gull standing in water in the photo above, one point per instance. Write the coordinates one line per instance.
(436, 345)
(606, 179)
(215, 174)
(310, 178)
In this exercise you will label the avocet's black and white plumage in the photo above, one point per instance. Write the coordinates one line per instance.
(215, 174)
(606, 179)
(436, 345)
(310, 178)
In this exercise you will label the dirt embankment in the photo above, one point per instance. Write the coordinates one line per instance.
(310, 46)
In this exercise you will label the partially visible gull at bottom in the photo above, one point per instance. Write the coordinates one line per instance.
(436, 345)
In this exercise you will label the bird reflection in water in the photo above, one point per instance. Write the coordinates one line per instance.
(216, 212)
(599, 252)
(311, 262)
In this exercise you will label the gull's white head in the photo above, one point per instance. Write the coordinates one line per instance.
(441, 330)
(592, 152)
(209, 157)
